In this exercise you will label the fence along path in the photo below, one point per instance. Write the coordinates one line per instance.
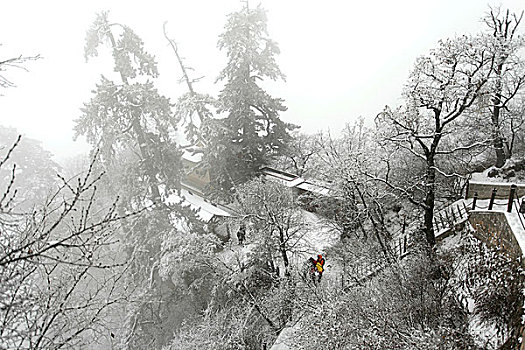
(481, 196)
(502, 196)
(450, 215)
(367, 267)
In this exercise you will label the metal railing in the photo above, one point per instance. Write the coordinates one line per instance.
(450, 216)
(520, 210)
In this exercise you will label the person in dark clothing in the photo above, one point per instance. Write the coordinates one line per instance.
(241, 234)
(311, 268)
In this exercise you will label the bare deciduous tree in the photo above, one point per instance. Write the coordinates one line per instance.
(59, 271)
(13, 62)
(441, 89)
(509, 75)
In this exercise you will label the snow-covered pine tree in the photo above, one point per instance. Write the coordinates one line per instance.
(252, 132)
(130, 114)
(133, 125)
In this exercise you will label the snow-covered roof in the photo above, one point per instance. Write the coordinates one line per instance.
(291, 180)
(278, 174)
(295, 182)
(192, 157)
(205, 210)
(310, 187)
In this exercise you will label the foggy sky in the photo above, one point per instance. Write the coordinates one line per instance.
(342, 59)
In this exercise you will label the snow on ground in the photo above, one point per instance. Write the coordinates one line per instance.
(517, 222)
(314, 238)
(510, 172)
(285, 339)
(450, 242)
(318, 235)
(484, 178)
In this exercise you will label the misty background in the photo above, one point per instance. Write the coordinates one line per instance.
(342, 60)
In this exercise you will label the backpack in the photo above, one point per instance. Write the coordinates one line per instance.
(320, 264)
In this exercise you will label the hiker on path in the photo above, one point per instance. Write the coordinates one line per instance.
(319, 265)
(311, 269)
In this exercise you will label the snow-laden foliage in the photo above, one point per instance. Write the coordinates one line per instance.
(190, 106)
(275, 223)
(299, 154)
(7, 64)
(134, 127)
(252, 132)
(188, 258)
(248, 48)
(236, 326)
(130, 57)
(503, 41)
(441, 90)
(490, 284)
(121, 117)
(62, 269)
(407, 306)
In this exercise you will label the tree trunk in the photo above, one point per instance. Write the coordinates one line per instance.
(282, 248)
(141, 139)
(146, 158)
(430, 202)
(497, 138)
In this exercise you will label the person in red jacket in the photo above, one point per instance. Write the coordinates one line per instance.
(319, 265)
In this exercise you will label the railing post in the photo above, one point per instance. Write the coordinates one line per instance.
(474, 200)
(492, 197)
(512, 193)
(453, 215)
(448, 217)
(442, 220)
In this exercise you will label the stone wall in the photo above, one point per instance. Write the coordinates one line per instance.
(494, 229)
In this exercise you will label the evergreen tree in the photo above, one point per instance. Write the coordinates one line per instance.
(132, 124)
(252, 132)
(131, 115)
